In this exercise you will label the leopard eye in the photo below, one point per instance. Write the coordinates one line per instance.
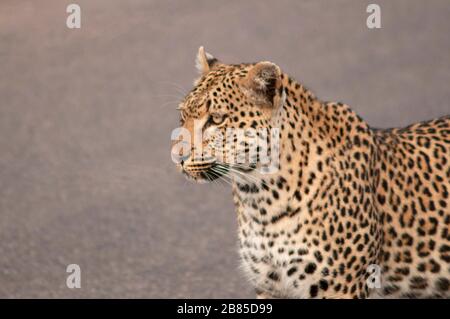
(217, 118)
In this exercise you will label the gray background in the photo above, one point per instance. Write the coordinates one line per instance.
(86, 116)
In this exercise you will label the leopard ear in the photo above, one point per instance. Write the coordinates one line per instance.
(264, 80)
(204, 61)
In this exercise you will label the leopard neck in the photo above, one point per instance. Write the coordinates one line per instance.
(265, 197)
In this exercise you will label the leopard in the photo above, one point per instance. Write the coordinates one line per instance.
(350, 211)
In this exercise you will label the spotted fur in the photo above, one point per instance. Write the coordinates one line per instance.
(346, 196)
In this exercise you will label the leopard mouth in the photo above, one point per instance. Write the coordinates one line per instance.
(205, 172)
(209, 172)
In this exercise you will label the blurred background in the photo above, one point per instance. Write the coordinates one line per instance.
(86, 115)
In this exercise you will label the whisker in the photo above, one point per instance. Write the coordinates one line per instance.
(179, 87)
(164, 104)
(240, 175)
(177, 96)
(218, 177)
(253, 179)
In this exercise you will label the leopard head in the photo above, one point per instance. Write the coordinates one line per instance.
(226, 120)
